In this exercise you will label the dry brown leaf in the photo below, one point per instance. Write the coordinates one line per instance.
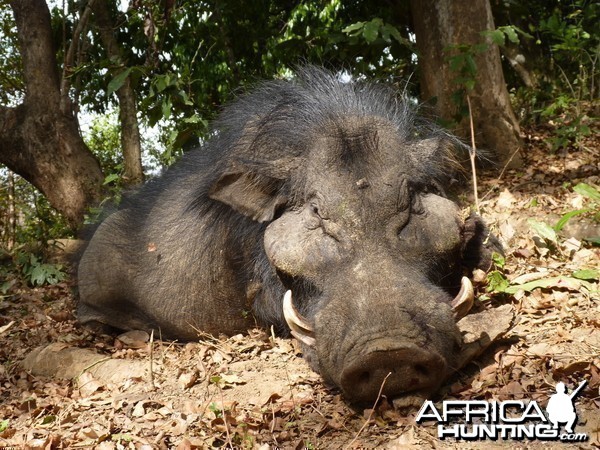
(88, 385)
(187, 379)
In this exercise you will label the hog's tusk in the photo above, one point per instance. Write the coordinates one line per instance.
(463, 302)
(301, 329)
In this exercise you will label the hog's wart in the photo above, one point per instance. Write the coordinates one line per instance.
(330, 190)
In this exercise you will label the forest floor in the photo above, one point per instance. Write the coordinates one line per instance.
(255, 391)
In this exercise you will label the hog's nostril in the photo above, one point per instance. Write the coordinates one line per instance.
(364, 377)
(400, 371)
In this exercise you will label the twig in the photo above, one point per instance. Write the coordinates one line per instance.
(152, 358)
(100, 361)
(229, 442)
(370, 414)
(273, 423)
(501, 173)
(473, 154)
(70, 52)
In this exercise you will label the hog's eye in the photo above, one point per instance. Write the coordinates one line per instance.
(314, 209)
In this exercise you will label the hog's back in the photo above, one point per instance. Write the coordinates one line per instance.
(165, 265)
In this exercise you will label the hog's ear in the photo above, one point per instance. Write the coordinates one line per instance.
(479, 244)
(253, 195)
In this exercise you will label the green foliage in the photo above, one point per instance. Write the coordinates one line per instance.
(587, 274)
(214, 408)
(505, 34)
(570, 283)
(561, 52)
(496, 280)
(588, 191)
(27, 210)
(102, 136)
(12, 87)
(39, 273)
(376, 29)
(498, 260)
(543, 230)
(27, 225)
(592, 195)
(546, 237)
(462, 61)
(186, 59)
(574, 47)
(29, 267)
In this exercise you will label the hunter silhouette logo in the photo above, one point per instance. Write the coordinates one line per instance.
(560, 407)
(510, 419)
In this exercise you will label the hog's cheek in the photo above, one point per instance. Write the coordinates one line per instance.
(297, 249)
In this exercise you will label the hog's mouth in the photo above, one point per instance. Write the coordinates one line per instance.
(302, 330)
(405, 372)
(300, 327)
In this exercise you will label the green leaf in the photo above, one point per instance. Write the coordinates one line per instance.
(497, 37)
(497, 282)
(371, 30)
(38, 275)
(570, 283)
(162, 82)
(470, 65)
(118, 81)
(543, 230)
(511, 34)
(110, 178)
(354, 28)
(48, 419)
(587, 191)
(166, 108)
(566, 217)
(587, 274)
(396, 35)
(498, 260)
(3, 425)
(594, 240)
(125, 437)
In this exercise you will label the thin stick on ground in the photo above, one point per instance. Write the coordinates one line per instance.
(370, 414)
(501, 174)
(151, 343)
(94, 364)
(229, 442)
(473, 155)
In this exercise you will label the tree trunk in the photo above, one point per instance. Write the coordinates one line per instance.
(39, 140)
(130, 133)
(440, 24)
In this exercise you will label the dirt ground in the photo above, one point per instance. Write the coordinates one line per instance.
(255, 391)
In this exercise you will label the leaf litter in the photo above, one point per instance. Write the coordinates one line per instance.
(254, 391)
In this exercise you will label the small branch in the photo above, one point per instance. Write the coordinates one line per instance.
(151, 343)
(70, 53)
(370, 414)
(94, 364)
(501, 174)
(473, 155)
(229, 442)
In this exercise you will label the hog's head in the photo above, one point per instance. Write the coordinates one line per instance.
(362, 239)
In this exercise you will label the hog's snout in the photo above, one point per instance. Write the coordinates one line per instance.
(405, 370)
